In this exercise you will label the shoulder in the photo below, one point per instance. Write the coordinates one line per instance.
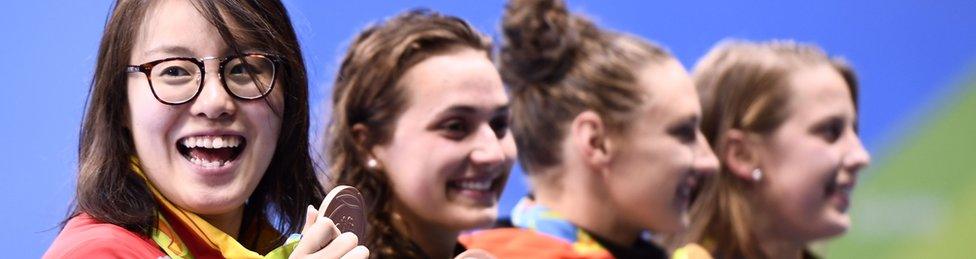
(86, 237)
(520, 243)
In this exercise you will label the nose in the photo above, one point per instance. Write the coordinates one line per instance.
(706, 163)
(213, 102)
(857, 157)
(488, 148)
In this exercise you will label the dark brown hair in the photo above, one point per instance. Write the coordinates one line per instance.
(366, 93)
(109, 191)
(557, 65)
(744, 85)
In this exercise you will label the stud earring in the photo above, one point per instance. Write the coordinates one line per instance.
(757, 175)
(371, 163)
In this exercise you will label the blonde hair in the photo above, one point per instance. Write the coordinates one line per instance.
(744, 85)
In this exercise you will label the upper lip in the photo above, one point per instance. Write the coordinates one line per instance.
(838, 183)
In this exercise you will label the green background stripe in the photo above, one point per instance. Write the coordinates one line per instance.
(919, 201)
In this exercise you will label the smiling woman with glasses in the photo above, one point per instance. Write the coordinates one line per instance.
(175, 162)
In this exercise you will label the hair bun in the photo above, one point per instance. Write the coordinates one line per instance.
(540, 42)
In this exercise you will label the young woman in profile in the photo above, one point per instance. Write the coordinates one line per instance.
(195, 139)
(782, 117)
(606, 125)
(420, 125)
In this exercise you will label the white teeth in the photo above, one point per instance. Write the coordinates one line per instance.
(232, 142)
(212, 141)
(207, 164)
(190, 142)
(475, 185)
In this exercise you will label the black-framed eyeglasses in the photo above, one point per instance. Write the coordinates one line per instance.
(179, 80)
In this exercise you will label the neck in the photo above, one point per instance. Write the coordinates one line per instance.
(781, 249)
(435, 240)
(584, 206)
(229, 223)
(775, 245)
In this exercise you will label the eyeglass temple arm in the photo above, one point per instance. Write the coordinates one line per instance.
(133, 69)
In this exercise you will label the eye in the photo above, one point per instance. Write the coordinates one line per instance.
(240, 69)
(831, 130)
(686, 133)
(499, 125)
(174, 71)
(455, 128)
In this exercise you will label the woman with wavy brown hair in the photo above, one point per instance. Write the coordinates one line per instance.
(195, 139)
(782, 117)
(606, 124)
(420, 125)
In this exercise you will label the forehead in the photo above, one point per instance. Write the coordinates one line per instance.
(669, 90)
(819, 89)
(176, 28)
(463, 77)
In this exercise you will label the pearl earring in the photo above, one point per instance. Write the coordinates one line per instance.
(371, 163)
(756, 175)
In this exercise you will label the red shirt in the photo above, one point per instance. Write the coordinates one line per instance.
(86, 237)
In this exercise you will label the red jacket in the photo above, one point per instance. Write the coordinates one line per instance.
(86, 237)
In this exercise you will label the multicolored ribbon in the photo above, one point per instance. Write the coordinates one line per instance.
(180, 231)
(531, 215)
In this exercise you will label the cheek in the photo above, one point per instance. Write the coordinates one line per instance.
(263, 121)
(650, 176)
(417, 179)
(800, 174)
(408, 185)
(661, 165)
(150, 122)
(268, 112)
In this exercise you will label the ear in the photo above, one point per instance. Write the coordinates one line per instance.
(589, 137)
(359, 133)
(739, 154)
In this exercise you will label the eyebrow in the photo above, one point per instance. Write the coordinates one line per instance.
(688, 119)
(468, 109)
(170, 49)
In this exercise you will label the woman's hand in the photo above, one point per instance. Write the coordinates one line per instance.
(321, 239)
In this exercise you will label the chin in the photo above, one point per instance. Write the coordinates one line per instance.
(210, 202)
(835, 226)
(677, 225)
(839, 226)
(657, 222)
(471, 218)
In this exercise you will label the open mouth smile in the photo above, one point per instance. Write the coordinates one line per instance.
(212, 151)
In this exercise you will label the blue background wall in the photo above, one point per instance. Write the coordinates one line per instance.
(914, 59)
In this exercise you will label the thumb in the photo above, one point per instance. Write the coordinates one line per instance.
(310, 216)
